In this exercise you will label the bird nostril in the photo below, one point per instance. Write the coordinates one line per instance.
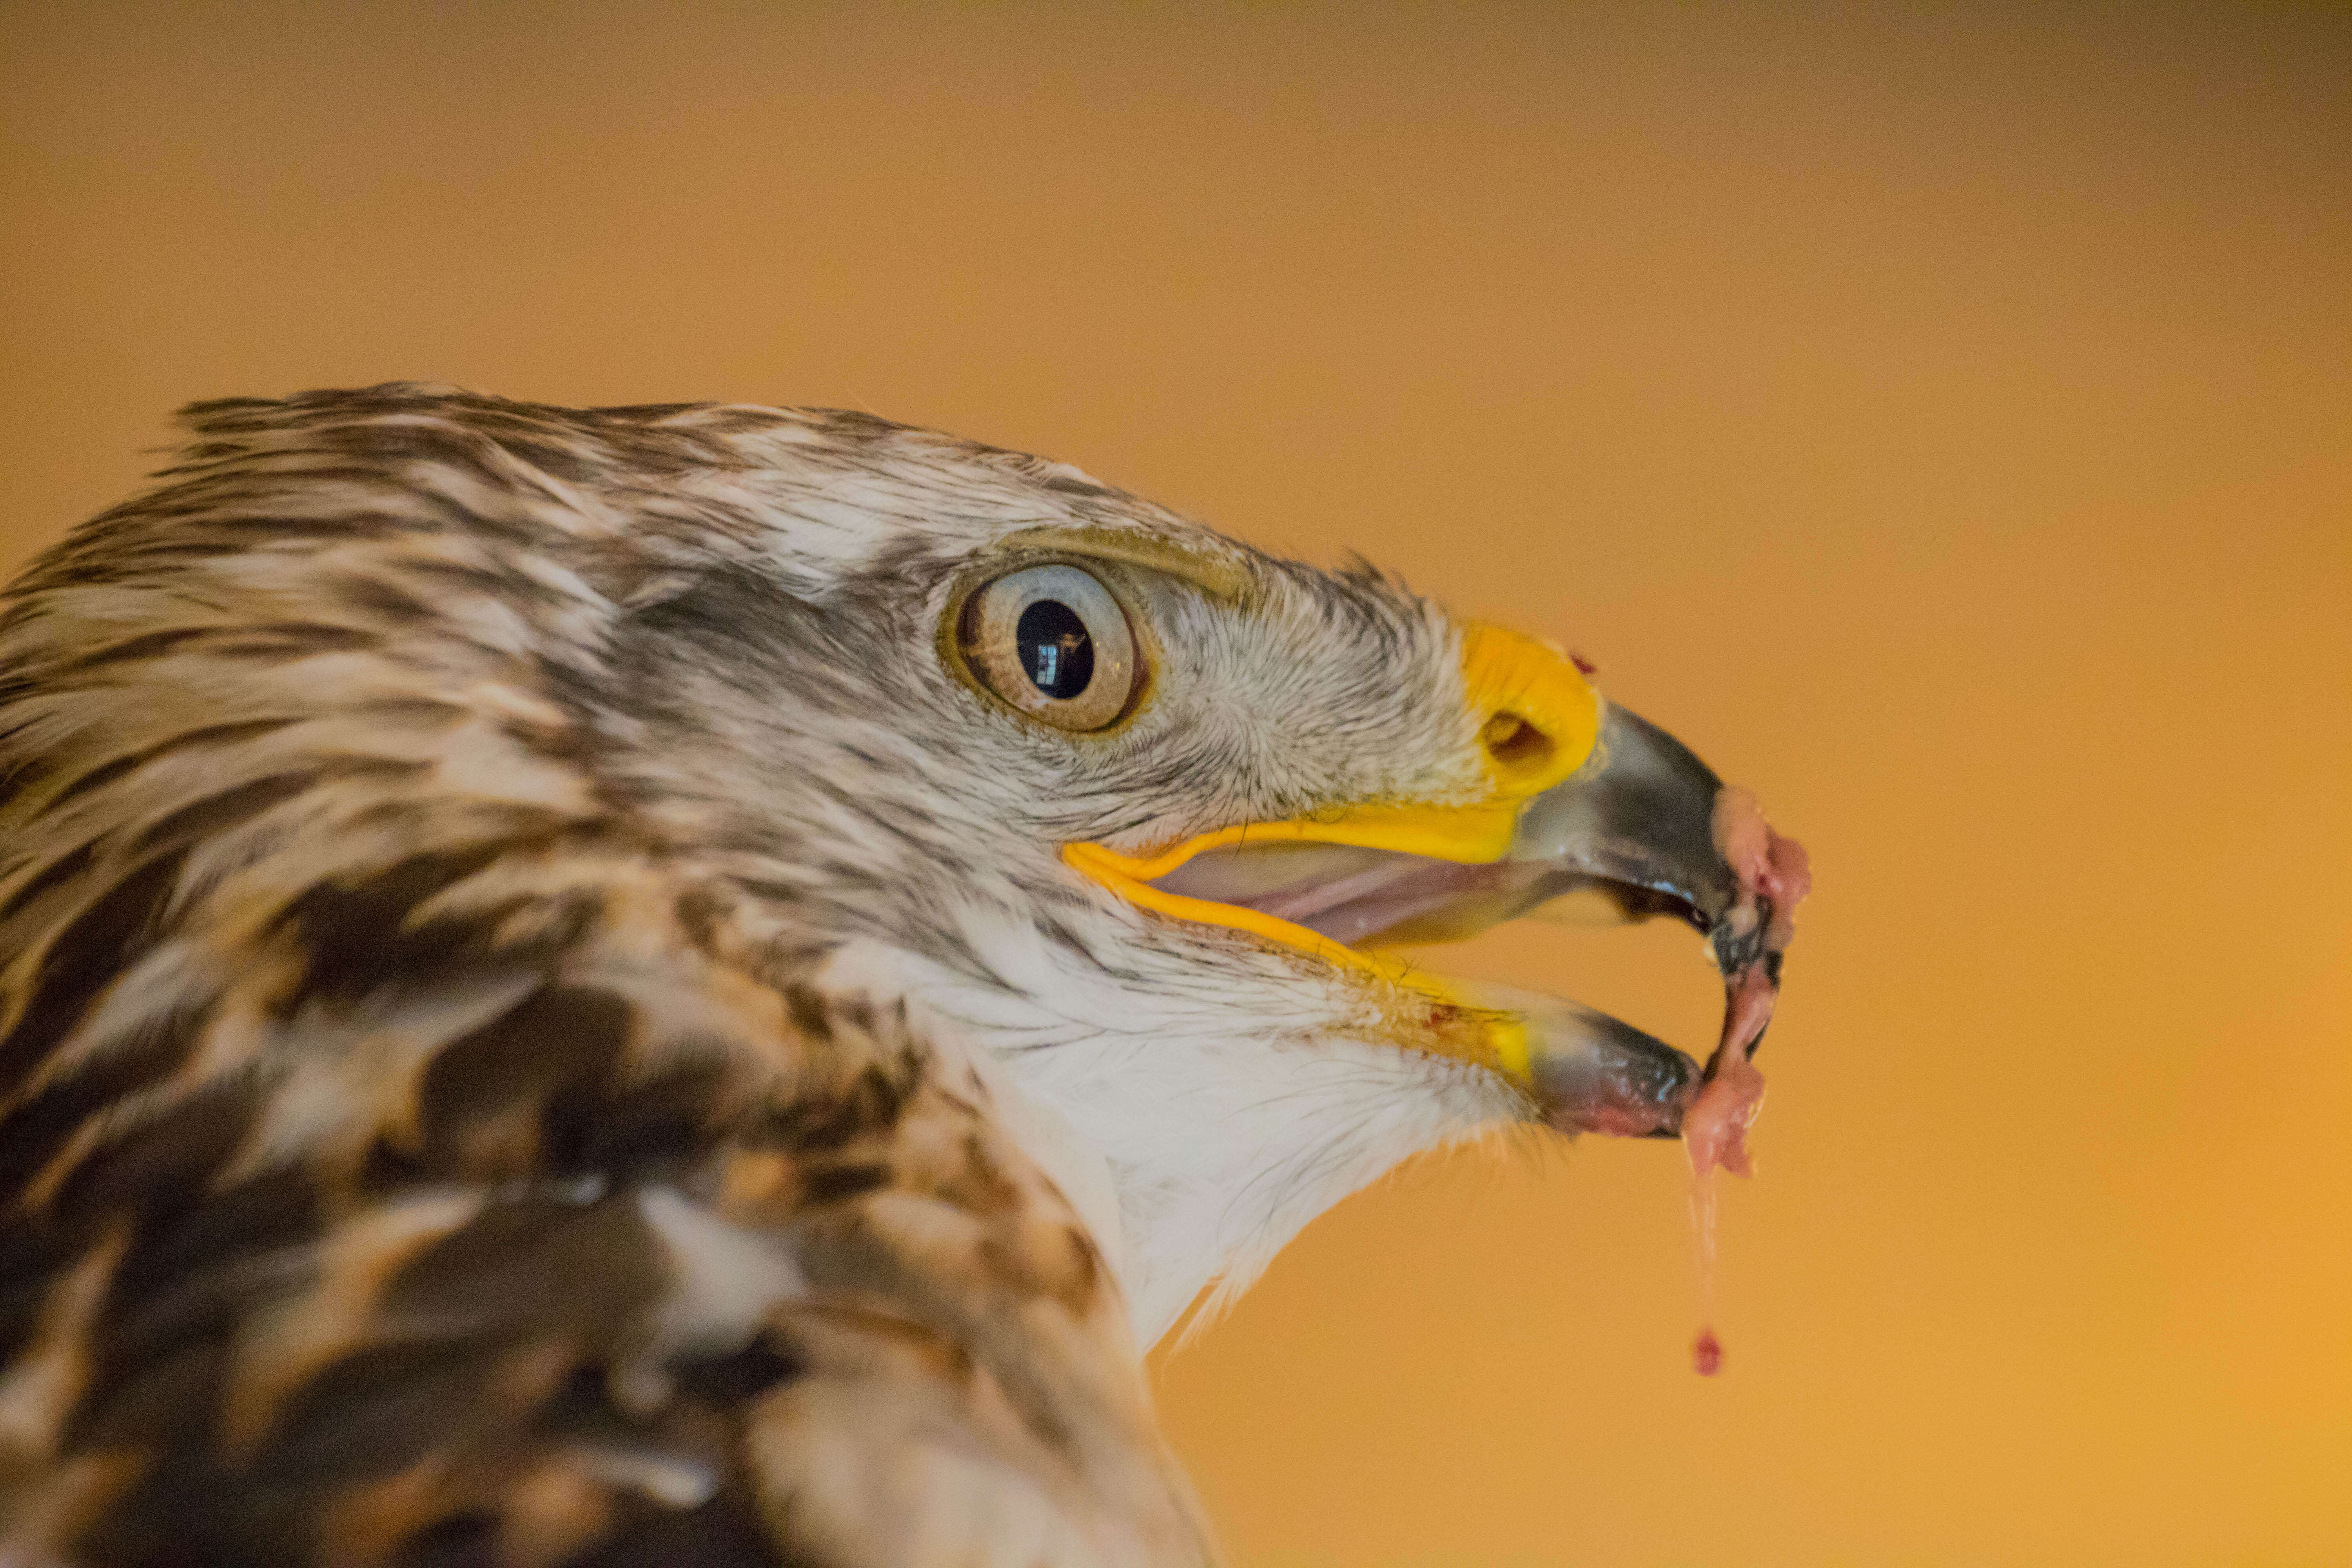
(1515, 743)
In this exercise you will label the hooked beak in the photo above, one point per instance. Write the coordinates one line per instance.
(1650, 826)
(1651, 829)
(1637, 827)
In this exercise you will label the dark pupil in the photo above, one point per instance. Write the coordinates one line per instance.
(1056, 651)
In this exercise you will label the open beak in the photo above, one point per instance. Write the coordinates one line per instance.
(1638, 826)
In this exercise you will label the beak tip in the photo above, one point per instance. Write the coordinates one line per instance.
(1599, 1075)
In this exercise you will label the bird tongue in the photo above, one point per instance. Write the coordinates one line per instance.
(1592, 1073)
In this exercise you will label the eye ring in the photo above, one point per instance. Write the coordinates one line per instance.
(1053, 643)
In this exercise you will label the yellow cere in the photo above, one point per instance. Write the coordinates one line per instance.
(1538, 719)
(1508, 675)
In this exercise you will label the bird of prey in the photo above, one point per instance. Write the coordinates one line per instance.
(693, 984)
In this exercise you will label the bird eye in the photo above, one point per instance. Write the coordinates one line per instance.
(1053, 642)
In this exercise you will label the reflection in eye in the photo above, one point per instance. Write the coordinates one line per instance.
(1053, 643)
(1059, 656)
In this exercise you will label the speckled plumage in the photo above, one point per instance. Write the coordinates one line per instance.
(543, 1026)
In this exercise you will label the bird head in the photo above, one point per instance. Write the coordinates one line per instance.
(1143, 814)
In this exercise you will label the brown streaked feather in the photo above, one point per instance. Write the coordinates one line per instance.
(408, 1156)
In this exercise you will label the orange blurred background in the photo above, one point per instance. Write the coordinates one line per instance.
(1943, 421)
